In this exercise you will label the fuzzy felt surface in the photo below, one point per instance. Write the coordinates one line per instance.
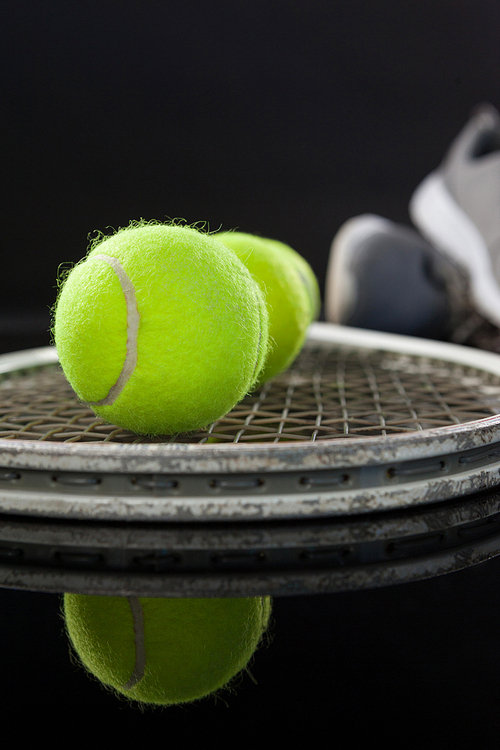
(165, 651)
(90, 329)
(291, 292)
(201, 337)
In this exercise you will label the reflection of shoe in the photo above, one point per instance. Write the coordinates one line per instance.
(457, 208)
(386, 277)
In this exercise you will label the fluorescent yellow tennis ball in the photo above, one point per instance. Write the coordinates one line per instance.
(161, 329)
(165, 651)
(291, 291)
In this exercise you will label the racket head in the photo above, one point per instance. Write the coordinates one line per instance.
(373, 460)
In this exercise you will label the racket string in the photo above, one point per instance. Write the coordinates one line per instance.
(331, 392)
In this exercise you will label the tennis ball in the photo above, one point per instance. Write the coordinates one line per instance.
(291, 292)
(161, 329)
(165, 651)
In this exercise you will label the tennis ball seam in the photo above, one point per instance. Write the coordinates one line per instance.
(140, 643)
(256, 371)
(133, 320)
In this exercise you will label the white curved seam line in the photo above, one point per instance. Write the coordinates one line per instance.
(133, 319)
(140, 643)
(259, 343)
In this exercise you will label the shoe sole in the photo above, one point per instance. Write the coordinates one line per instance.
(340, 285)
(441, 220)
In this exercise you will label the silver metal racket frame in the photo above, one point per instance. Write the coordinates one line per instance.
(173, 519)
(248, 482)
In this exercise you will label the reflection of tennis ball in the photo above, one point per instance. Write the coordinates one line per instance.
(291, 291)
(165, 651)
(161, 329)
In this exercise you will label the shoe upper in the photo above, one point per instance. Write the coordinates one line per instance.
(389, 278)
(471, 173)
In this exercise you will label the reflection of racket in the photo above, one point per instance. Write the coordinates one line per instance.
(372, 460)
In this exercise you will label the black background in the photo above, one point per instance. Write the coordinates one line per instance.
(283, 119)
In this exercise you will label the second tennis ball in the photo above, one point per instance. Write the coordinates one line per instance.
(161, 329)
(291, 291)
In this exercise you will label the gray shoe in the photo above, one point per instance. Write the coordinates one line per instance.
(386, 277)
(457, 208)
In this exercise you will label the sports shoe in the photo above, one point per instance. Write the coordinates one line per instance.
(384, 276)
(457, 208)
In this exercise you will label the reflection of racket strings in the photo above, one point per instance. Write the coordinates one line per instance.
(374, 459)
